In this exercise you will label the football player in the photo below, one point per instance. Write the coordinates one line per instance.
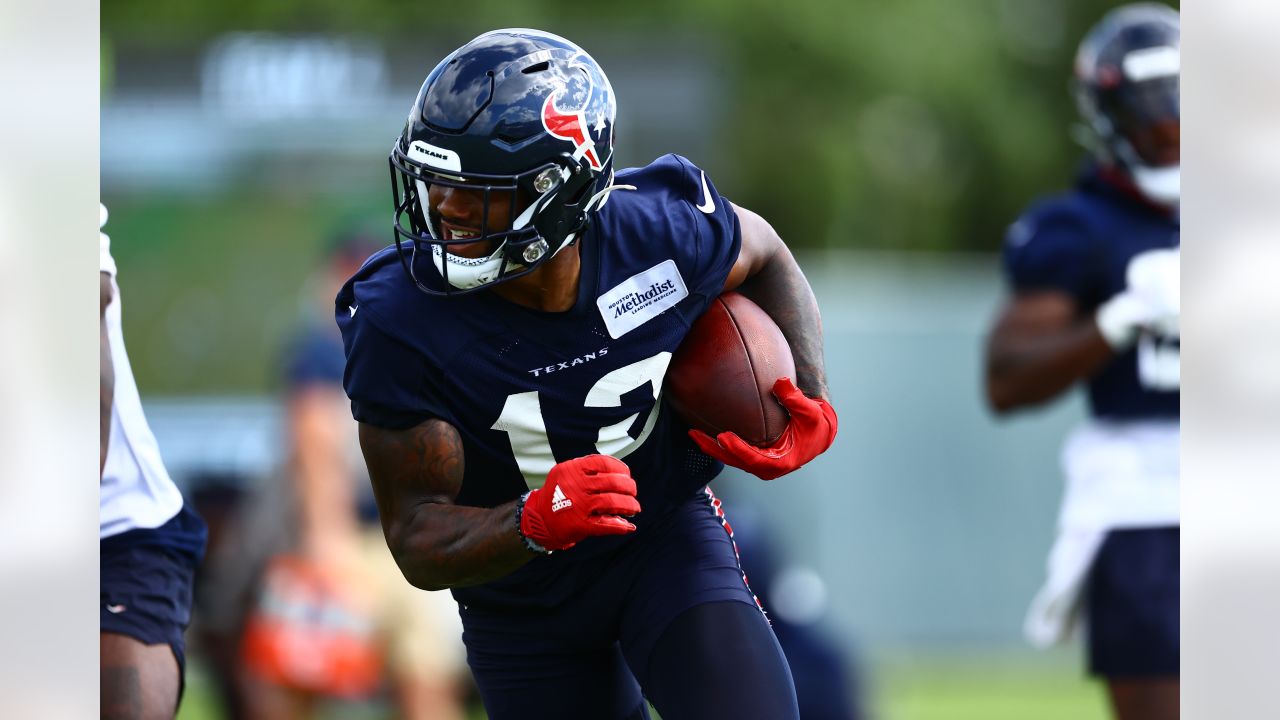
(151, 542)
(505, 361)
(1094, 280)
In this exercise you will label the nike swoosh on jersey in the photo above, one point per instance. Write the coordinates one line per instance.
(707, 205)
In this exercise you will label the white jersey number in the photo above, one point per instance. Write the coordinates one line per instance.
(526, 429)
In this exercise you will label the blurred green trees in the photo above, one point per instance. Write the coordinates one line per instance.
(917, 124)
(907, 125)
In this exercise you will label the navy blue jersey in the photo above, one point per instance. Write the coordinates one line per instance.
(527, 389)
(1080, 243)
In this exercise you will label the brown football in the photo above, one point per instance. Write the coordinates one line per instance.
(721, 377)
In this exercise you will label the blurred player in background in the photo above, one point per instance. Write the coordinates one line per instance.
(151, 543)
(334, 620)
(506, 358)
(1094, 279)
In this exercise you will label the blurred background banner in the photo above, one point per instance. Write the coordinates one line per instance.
(889, 143)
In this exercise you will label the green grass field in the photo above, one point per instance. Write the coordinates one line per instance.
(1021, 686)
(1015, 687)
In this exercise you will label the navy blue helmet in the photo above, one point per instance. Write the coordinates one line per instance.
(517, 112)
(1126, 83)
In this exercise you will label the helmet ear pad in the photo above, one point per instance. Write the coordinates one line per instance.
(556, 222)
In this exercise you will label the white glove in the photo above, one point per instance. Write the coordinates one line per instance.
(1150, 302)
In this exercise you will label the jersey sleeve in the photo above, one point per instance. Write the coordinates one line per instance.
(390, 384)
(706, 229)
(1051, 249)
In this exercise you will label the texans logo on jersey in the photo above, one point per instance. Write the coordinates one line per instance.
(571, 125)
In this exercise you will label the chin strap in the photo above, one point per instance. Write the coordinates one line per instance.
(1160, 185)
(467, 273)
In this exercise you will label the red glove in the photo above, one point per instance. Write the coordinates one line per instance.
(809, 433)
(582, 497)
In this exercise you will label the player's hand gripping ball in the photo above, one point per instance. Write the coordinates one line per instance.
(583, 497)
(730, 381)
(811, 431)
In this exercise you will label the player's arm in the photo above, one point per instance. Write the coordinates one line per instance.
(326, 504)
(766, 272)
(106, 372)
(416, 475)
(1039, 346)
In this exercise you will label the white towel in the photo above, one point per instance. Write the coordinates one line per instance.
(1118, 475)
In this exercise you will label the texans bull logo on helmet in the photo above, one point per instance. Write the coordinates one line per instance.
(571, 125)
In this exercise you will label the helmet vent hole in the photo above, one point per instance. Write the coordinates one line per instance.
(536, 68)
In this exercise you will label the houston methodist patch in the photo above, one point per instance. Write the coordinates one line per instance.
(641, 297)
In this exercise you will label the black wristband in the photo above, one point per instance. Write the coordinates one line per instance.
(528, 542)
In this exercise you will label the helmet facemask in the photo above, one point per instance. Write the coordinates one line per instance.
(547, 211)
(524, 119)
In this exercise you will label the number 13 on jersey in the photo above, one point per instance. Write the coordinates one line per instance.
(526, 428)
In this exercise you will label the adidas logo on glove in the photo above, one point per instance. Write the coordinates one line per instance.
(559, 501)
(599, 494)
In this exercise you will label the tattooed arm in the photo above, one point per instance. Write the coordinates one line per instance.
(416, 476)
(766, 272)
(106, 373)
